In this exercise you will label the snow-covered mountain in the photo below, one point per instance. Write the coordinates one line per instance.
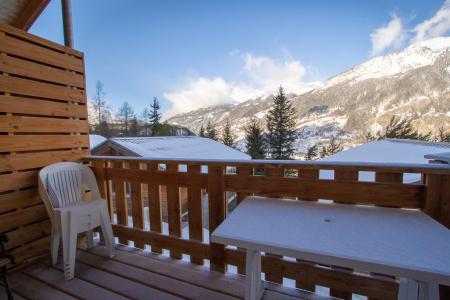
(414, 82)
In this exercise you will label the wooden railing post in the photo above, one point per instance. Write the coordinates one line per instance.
(195, 212)
(217, 211)
(174, 209)
(137, 204)
(154, 203)
(437, 205)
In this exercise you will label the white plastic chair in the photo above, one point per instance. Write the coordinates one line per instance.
(61, 186)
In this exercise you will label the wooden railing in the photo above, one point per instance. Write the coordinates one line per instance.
(131, 184)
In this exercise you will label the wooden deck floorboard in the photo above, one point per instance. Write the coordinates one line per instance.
(134, 274)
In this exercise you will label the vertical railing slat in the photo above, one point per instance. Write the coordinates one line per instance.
(276, 275)
(217, 212)
(346, 176)
(137, 203)
(305, 283)
(174, 209)
(154, 203)
(195, 212)
(121, 199)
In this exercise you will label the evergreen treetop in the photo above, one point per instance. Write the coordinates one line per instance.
(211, 131)
(202, 131)
(281, 133)
(227, 137)
(254, 140)
(312, 152)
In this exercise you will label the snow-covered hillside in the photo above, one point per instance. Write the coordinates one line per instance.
(414, 82)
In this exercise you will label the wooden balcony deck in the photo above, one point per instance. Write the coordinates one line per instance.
(133, 274)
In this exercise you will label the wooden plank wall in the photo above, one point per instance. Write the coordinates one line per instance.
(299, 181)
(43, 120)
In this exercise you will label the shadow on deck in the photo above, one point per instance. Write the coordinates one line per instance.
(133, 274)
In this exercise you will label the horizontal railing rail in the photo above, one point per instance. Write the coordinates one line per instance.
(202, 190)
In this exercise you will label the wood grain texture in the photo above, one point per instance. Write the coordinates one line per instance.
(174, 208)
(40, 107)
(43, 120)
(195, 212)
(154, 202)
(217, 212)
(137, 204)
(353, 192)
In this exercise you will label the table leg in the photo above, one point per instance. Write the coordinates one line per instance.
(253, 284)
(408, 289)
(428, 291)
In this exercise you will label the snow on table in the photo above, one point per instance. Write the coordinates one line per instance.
(398, 242)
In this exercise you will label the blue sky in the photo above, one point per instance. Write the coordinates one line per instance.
(198, 53)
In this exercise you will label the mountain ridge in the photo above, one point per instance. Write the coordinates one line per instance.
(414, 83)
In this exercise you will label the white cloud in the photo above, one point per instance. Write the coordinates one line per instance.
(390, 36)
(436, 26)
(262, 75)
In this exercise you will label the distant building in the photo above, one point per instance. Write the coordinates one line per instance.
(390, 151)
(96, 140)
(167, 147)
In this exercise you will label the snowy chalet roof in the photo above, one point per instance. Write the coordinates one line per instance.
(182, 147)
(388, 151)
(95, 140)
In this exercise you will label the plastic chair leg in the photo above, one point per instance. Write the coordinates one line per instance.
(70, 234)
(107, 230)
(56, 237)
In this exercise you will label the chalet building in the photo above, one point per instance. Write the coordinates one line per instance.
(168, 147)
(392, 151)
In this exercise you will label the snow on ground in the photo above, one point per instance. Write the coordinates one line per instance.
(179, 147)
(95, 140)
(387, 151)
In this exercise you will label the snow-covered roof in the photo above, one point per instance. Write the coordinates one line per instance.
(95, 140)
(388, 151)
(182, 147)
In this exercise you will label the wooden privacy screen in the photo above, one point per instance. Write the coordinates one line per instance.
(123, 180)
(43, 120)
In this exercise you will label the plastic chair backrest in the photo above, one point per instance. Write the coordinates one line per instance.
(62, 184)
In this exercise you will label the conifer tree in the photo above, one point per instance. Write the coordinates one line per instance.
(202, 131)
(400, 129)
(211, 131)
(334, 146)
(443, 136)
(312, 152)
(281, 127)
(323, 152)
(227, 137)
(254, 140)
(154, 117)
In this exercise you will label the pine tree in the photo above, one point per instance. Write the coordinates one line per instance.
(312, 152)
(443, 136)
(334, 146)
(227, 137)
(399, 129)
(126, 112)
(281, 127)
(134, 126)
(323, 152)
(202, 131)
(211, 131)
(154, 117)
(254, 140)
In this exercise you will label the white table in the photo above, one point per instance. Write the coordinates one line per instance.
(404, 243)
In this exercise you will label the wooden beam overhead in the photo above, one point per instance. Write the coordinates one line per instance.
(29, 13)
